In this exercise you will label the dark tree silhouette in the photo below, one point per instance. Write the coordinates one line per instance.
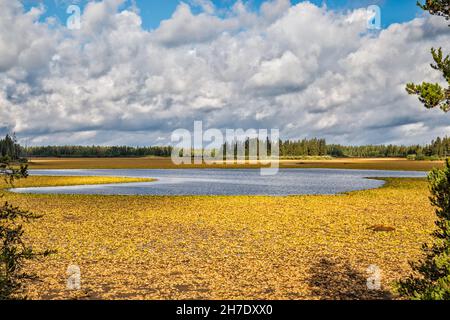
(13, 250)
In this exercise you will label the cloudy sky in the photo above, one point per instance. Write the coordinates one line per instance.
(137, 70)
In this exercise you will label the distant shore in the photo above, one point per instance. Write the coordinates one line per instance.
(166, 163)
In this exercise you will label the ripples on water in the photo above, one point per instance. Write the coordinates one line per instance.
(224, 181)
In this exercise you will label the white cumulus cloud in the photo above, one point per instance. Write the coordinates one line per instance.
(306, 70)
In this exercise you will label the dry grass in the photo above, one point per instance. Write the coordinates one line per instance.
(166, 163)
(56, 181)
(238, 247)
(368, 164)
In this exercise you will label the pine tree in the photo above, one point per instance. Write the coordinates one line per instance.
(13, 250)
(432, 278)
(433, 95)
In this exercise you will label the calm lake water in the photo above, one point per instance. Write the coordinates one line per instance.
(224, 182)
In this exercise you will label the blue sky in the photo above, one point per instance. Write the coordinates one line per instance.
(308, 73)
(153, 11)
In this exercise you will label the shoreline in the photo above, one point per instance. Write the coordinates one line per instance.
(166, 163)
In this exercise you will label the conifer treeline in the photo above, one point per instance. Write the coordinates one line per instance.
(290, 148)
(96, 151)
(9, 148)
(438, 148)
(305, 147)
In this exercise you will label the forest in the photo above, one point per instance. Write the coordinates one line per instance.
(438, 148)
(9, 148)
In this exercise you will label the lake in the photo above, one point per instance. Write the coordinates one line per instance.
(224, 181)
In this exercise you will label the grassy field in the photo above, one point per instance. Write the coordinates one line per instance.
(72, 181)
(162, 163)
(237, 247)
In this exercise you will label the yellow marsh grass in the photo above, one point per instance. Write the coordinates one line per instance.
(237, 247)
(162, 163)
(50, 181)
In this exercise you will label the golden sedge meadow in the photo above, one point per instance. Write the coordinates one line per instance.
(224, 247)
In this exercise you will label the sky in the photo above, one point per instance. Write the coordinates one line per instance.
(137, 70)
(154, 11)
